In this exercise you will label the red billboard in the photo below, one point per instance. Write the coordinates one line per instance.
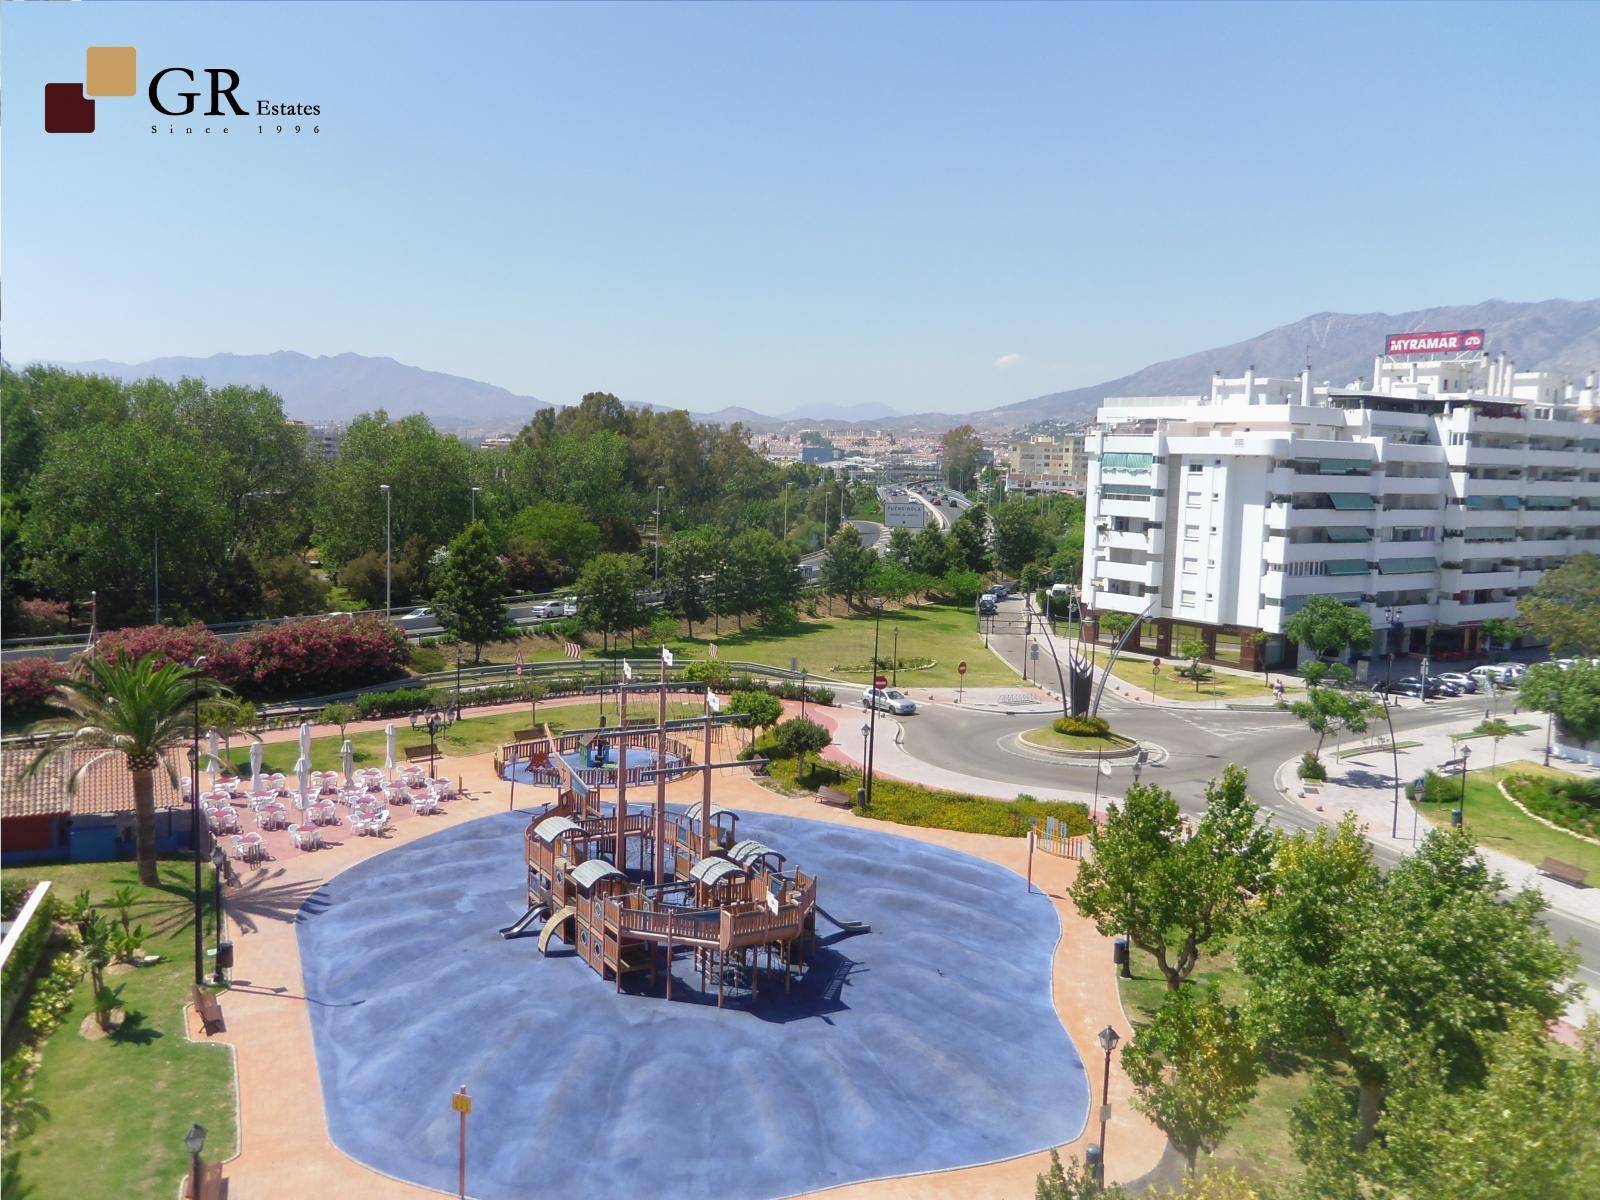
(1445, 341)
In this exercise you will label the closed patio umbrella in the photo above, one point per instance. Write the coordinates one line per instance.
(388, 750)
(305, 740)
(255, 767)
(302, 770)
(214, 749)
(347, 752)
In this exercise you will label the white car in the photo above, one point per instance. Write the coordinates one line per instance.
(889, 700)
(569, 607)
(417, 618)
(1467, 683)
(549, 609)
(1512, 672)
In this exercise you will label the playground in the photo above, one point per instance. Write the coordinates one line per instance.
(930, 1042)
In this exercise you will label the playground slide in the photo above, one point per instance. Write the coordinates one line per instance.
(557, 919)
(520, 926)
(845, 926)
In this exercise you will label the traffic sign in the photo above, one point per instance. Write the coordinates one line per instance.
(880, 681)
(961, 667)
(461, 1102)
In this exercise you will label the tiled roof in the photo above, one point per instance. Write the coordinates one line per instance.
(106, 790)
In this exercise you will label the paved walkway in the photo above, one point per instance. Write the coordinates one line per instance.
(1363, 784)
(286, 1150)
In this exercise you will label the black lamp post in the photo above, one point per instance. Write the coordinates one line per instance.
(872, 731)
(1459, 817)
(894, 666)
(1108, 1043)
(195, 826)
(219, 867)
(433, 736)
(194, 1141)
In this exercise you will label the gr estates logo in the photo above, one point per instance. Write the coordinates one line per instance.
(113, 71)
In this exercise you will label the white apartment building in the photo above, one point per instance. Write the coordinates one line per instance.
(1047, 463)
(1441, 490)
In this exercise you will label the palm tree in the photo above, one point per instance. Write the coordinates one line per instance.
(128, 707)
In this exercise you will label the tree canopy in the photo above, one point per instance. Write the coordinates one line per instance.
(1564, 606)
(1329, 626)
(470, 598)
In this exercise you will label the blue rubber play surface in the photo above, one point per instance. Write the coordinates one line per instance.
(929, 1043)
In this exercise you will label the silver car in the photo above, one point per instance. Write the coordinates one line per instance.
(889, 700)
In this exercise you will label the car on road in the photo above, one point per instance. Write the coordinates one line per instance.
(1464, 682)
(549, 610)
(569, 606)
(1512, 673)
(889, 700)
(1411, 685)
(987, 606)
(418, 618)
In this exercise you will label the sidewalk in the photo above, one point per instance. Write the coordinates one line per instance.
(1364, 785)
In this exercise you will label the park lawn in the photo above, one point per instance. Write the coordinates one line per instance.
(1474, 732)
(114, 1111)
(1169, 685)
(1047, 738)
(1258, 1145)
(1382, 747)
(471, 735)
(840, 647)
(1500, 825)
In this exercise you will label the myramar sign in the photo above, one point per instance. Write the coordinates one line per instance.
(1446, 341)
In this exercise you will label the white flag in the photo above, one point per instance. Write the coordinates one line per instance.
(666, 656)
(1105, 769)
(627, 669)
(713, 703)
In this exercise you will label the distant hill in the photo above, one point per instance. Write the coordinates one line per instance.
(341, 386)
(1554, 335)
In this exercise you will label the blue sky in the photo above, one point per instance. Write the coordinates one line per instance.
(936, 207)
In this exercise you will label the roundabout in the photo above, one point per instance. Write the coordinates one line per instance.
(931, 1043)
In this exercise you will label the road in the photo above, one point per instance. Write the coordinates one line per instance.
(874, 537)
(1189, 747)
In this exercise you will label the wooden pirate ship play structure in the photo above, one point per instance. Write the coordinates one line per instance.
(634, 891)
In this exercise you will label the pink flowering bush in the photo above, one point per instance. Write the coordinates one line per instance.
(41, 618)
(27, 683)
(318, 655)
(171, 644)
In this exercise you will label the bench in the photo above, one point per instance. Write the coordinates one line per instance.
(833, 796)
(211, 1184)
(1564, 871)
(419, 753)
(208, 1008)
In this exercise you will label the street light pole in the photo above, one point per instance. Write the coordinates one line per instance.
(872, 745)
(472, 495)
(658, 533)
(194, 827)
(388, 551)
(1108, 1042)
(1461, 810)
(895, 665)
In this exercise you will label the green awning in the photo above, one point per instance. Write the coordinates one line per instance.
(1351, 501)
(1406, 566)
(1490, 535)
(1335, 466)
(1339, 534)
(1549, 502)
(1347, 566)
(1483, 502)
(1120, 461)
(1125, 491)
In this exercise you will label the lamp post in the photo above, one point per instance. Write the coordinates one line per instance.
(894, 665)
(472, 496)
(786, 511)
(866, 739)
(219, 867)
(194, 832)
(388, 551)
(1459, 817)
(194, 1141)
(872, 736)
(1108, 1043)
(1391, 615)
(658, 532)
(155, 559)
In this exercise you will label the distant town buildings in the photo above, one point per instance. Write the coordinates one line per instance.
(1047, 462)
(322, 439)
(1433, 495)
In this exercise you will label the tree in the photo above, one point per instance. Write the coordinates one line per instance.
(1572, 696)
(1564, 607)
(969, 536)
(846, 565)
(1367, 970)
(797, 738)
(755, 709)
(761, 575)
(555, 532)
(1497, 631)
(289, 587)
(338, 713)
(1019, 535)
(900, 543)
(1154, 881)
(960, 449)
(230, 716)
(1193, 1069)
(689, 564)
(1329, 626)
(1329, 710)
(1115, 624)
(960, 587)
(890, 580)
(1194, 649)
(608, 592)
(132, 708)
(470, 600)
(930, 552)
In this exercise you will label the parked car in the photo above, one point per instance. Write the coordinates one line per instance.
(1465, 683)
(987, 606)
(1512, 673)
(550, 610)
(1486, 676)
(1411, 685)
(888, 700)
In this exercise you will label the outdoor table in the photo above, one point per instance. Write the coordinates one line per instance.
(251, 845)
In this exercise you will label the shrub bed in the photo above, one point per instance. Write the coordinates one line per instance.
(1312, 768)
(26, 684)
(909, 804)
(1572, 804)
(30, 947)
(1081, 726)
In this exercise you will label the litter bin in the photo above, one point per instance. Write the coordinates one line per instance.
(1455, 816)
(1119, 950)
(224, 956)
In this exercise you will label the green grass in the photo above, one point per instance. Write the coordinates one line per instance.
(1500, 825)
(1379, 748)
(1476, 732)
(473, 735)
(1048, 739)
(1258, 1145)
(1169, 685)
(829, 645)
(114, 1112)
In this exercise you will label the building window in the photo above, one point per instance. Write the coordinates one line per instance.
(1188, 598)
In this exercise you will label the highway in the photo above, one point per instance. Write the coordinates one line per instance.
(1188, 748)
(874, 536)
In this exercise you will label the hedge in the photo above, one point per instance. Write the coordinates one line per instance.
(27, 683)
(930, 808)
(1081, 726)
(24, 959)
(1572, 804)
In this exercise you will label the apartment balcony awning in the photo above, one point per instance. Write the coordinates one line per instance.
(1406, 566)
(1347, 566)
(1334, 466)
(1349, 534)
(1351, 501)
(1549, 502)
(1118, 460)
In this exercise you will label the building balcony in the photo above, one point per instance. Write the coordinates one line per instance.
(1116, 602)
(1113, 539)
(1463, 580)
(1128, 508)
(1141, 572)
(1487, 456)
(1457, 612)
(1492, 487)
(1400, 485)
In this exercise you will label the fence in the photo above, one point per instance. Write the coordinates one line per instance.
(1051, 836)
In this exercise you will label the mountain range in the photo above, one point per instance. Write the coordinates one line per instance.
(1559, 335)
